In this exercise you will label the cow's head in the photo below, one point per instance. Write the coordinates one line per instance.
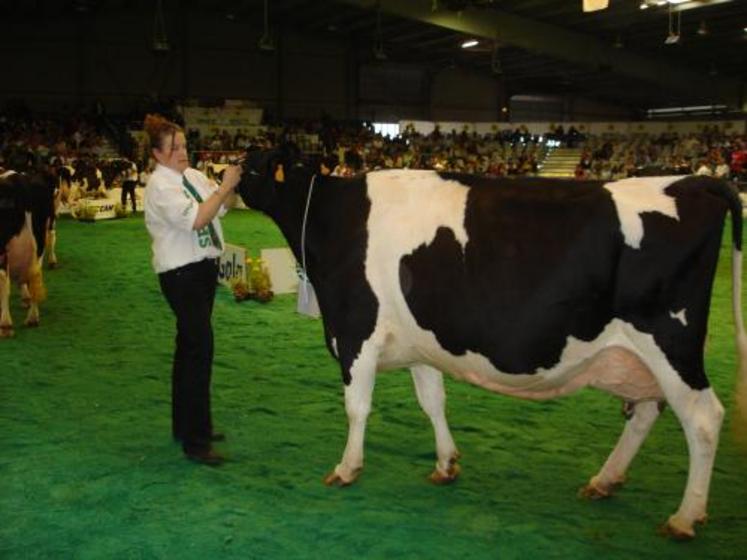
(264, 175)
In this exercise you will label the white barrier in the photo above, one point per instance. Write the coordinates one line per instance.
(281, 264)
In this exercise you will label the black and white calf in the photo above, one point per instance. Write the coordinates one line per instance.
(533, 288)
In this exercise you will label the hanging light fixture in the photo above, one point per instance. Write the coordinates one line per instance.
(675, 26)
(378, 49)
(266, 42)
(160, 37)
(495, 60)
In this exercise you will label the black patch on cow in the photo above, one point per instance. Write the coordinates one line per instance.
(337, 239)
(546, 260)
(336, 242)
(14, 203)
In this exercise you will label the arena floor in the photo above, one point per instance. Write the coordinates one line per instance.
(88, 468)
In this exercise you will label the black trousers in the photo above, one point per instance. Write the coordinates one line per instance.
(190, 292)
(128, 188)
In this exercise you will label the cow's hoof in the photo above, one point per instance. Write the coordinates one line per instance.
(680, 531)
(594, 492)
(336, 479)
(51, 265)
(6, 331)
(440, 478)
(31, 323)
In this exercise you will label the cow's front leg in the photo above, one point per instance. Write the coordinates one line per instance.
(429, 387)
(6, 322)
(358, 394)
(612, 473)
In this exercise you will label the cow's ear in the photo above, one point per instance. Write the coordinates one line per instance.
(279, 173)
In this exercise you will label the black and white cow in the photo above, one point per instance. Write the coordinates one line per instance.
(26, 221)
(533, 288)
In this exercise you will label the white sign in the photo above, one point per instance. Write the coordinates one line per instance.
(281, 264)
(232, 264)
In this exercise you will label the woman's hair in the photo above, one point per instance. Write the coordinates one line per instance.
(157, 128)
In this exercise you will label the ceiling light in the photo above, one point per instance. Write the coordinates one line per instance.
(470, 43)
(643, 5)
(672, 39)
(702, 29)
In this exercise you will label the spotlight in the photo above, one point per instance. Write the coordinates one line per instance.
(702, 29)
(672, 39)
(470, 43)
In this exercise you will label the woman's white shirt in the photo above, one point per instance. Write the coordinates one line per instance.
(170, 213)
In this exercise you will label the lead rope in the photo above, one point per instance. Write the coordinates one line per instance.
(304, 276)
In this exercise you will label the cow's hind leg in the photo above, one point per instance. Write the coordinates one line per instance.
(700, 414)
(358, 394)
(49, 251)
(6, 321)
(429, 387)
(612, 473)
(37, 294)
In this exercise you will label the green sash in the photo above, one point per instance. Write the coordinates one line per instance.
(207, 234)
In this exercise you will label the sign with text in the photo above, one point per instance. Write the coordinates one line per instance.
(232, 264)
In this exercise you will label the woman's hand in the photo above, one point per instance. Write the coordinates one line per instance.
(232, 176)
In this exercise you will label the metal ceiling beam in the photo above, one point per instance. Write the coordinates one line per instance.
(550, 40)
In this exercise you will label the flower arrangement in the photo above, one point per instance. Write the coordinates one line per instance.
(84, 211)
(258, 287)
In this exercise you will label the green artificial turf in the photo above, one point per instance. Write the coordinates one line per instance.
(88, 468)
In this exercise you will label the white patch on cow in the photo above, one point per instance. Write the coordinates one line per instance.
(411, 206)
(333, 342)
(679, 316)
(636, 195)
(407, 208)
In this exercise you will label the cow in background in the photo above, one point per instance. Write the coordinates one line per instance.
(26, 219)
(89, 177)
(115, 170)
(533, 288)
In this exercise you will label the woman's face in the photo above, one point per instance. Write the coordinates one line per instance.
(173, 152)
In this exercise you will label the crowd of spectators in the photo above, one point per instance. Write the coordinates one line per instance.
(48, 138)
(710, 152)
(354, 147)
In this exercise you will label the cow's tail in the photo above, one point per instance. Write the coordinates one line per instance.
(739, 422)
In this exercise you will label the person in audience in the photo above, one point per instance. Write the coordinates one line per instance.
(182, 210)
(722, 168)
(703, 168)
